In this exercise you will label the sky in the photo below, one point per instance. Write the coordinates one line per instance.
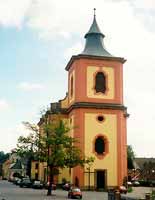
(37, 39)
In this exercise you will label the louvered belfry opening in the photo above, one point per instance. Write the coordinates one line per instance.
(100, 82)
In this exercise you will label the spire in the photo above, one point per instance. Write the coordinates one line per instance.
(94, 41)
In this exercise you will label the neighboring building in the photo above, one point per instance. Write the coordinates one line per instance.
(144, 163)
(14, 167)
(39, 171)
(94, 104)
(16, 170)
(5, 169)
(1, 172)
(144, 169)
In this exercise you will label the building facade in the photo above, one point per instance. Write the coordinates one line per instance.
(94, 105)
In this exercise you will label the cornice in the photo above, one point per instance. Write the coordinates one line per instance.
(112, 58)
(96, 106)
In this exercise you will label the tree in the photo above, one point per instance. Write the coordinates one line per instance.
(130, 157)
(27, 147)
(62, 149)
(54, 146)
(3, 156)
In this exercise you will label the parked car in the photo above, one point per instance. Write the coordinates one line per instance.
(129, 183)
(25, 182)
(66, 186)
(18, 182)
(152, 183)
(122, 189)
(135, 183)
(37, 185)
(16, 179)
(75, 193)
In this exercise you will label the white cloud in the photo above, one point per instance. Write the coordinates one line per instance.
(74, 50)
(13, 12)
(126, 24)
(30, 86)
(149, 4)
(53, 18)
(10, 135)
(145, 12)
(3, 104)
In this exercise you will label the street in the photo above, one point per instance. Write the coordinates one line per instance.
(9, 191)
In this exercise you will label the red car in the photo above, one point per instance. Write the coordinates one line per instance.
(123, 189)
(75, 193)
(67, 186)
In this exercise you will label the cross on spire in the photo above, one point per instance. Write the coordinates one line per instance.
(94, 12)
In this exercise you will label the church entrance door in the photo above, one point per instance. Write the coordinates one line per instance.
(100, 179)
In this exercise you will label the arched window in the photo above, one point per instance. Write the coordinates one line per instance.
(71, 86)
(99, 145)
(100, 82)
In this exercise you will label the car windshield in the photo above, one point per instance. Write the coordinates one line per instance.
(37, 182)
(76, 190)
(25, 179)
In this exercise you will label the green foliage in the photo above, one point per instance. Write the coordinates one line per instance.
(55, 146)
(64, 151)
(28, 146)
(130, 189)
(3, 156)
(130, 157)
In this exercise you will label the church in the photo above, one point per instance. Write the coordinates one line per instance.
(94, 104)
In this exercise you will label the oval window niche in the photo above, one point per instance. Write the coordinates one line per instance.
(100, 146)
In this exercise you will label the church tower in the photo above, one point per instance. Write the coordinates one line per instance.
(96, 110)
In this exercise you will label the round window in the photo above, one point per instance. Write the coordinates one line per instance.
(100, 118)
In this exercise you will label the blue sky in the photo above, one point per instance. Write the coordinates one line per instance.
(37, 39)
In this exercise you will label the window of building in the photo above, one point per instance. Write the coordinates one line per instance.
(100, 118)
(36, 176)
(37, 166)
(70, 120)
(100, 82)
(71, 86)
(100, 145)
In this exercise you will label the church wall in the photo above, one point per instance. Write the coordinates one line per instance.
(84, 74)
(108, 129)
(113, 128)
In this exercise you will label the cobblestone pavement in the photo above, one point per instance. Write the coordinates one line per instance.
(8, 191)
(139, 192)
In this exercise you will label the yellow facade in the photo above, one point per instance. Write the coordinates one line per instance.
(64, 173)
(64, 102)
(5, 169)
(108, 129)
(109, 72)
